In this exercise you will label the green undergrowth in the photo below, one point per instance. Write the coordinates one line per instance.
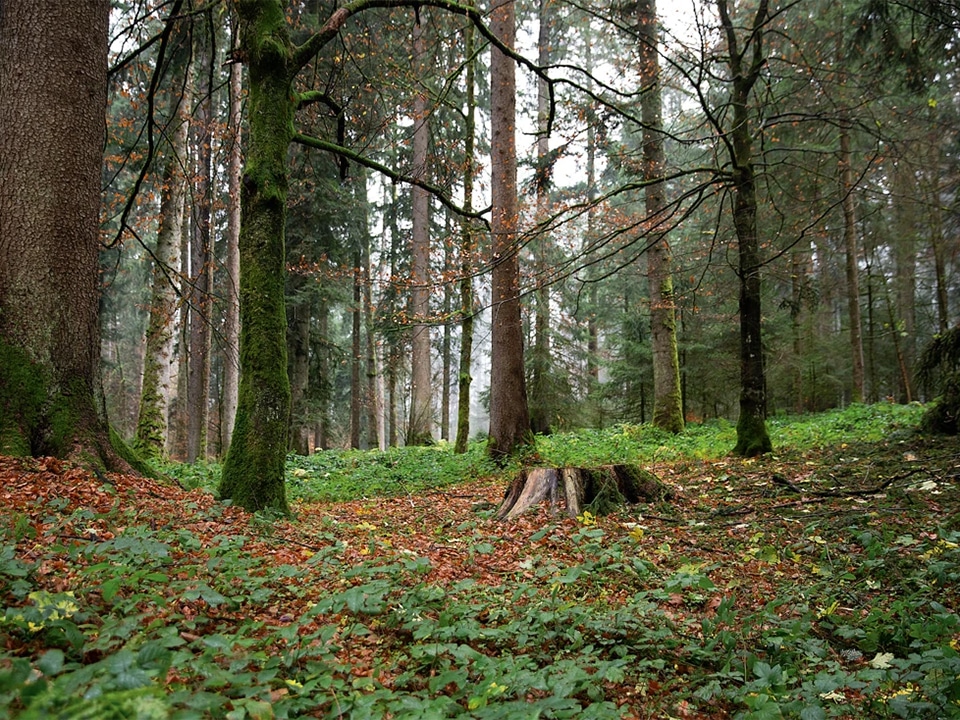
(750, 602)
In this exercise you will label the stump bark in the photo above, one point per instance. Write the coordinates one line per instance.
(599, 490)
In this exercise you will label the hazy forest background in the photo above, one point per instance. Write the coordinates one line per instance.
(850, 126)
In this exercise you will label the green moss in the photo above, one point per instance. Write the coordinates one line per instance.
(752, 436)
(23, 391)
(131, 456)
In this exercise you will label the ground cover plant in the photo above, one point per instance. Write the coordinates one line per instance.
(820, 581)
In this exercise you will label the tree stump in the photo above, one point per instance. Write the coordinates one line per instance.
(599, 490)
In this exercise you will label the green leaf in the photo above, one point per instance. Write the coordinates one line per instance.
(51, 662)
(110, 588)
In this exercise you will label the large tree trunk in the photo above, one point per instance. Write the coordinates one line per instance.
(509, 417)
(667, 401)
(599, 490)
(419, 429)
(53, 88)
(253, 472)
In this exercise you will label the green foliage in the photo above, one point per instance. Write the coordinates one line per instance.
(857, 618)
(336, 475)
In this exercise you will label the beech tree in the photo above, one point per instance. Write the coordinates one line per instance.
(53, 88)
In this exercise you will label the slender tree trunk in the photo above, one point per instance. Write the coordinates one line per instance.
(322, 439)
(464, 377)
(667, 402)
(905, 253)
(541, 413)
(852, 264)
(201, 258)
(446, 344)
(299, 312)
(356, 354)
(152, 419)
(231, 331)
(752, 437)
(419, 429)
(53, 88)
(509, 416)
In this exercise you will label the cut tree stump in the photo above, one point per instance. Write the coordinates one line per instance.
(599, 489)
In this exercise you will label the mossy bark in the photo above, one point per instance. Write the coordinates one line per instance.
(745, 66)
(253, 471)
(49, 225)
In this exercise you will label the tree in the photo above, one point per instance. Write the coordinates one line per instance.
(464, 378)
(53, 88)
(745, 64)
(667, 400)
(421, 405)
(509, 416)
(153, 418)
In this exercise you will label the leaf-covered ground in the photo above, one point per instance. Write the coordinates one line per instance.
(815, 583)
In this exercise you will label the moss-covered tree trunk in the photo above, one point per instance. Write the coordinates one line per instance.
(745, 65)
(155, 390)
(53, 89)
(253, 472)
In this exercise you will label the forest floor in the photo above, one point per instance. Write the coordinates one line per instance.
(819, 583)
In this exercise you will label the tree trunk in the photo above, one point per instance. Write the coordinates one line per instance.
(541, 410)
(852, 264)
(152, 417)
(667, 402)
(299, 312)
(419, 430)
(905, 252)
(231, 331)
(200, 299)
(752, 437)
(509, 417)
(356, 356)
(253, 472)
(464, 378)
(597, 490)
(53, 89)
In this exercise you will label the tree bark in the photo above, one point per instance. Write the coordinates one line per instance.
(464, 378)
(599, 490)
(752, 437)
(852, 265)
(509, 416)
(200, 298)
(667, 401)
(419, 429)
(152, 418)
(53, 89)
(541, 403)
(231, 332)
(253, 472)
